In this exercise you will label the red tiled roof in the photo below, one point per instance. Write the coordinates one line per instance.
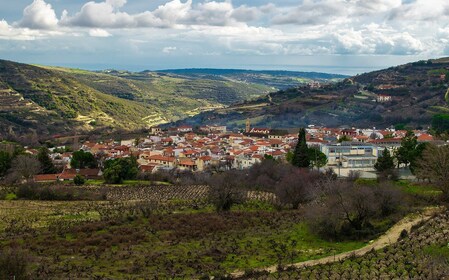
(46, 177)
(187, 162)
(161, 158)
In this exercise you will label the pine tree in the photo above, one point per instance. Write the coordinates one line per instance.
(384, 162)
(47, 166)
(301, 153)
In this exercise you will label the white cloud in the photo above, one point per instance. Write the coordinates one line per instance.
(219, 26)
(39, 15)
(97, 32)
(421, 10)
(169, 50)
(116, 3)
(312, 12)
(101, 15)
(8, 32)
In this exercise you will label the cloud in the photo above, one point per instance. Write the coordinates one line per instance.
(421, 10)
(311, 12)
(116, 3)
(97, 32)
(169, 50)
(39, 15)
(100, 15)
(307, 27)
(8, 32)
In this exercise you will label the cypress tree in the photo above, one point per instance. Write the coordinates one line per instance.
(384, 162)
(46, 163)
(301, 153)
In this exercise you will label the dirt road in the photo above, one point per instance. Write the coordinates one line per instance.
(390, 237)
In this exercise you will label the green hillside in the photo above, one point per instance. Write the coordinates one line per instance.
(417, 91)
(40, 102)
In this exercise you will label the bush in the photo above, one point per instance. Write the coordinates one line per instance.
(348, 209)
(11, 196)
(13, 265)
(79, 180)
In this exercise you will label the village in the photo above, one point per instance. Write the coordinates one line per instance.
(213, 148)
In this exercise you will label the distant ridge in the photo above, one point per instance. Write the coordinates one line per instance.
(406, 95)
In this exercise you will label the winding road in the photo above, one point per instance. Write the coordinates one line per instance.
(388, 238)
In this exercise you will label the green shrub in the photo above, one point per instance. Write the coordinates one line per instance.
(11, 196)
(79, 180)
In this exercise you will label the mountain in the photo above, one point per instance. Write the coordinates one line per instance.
(411, 94)
(276, 79)
(38, 102)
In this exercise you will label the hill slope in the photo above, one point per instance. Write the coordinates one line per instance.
(417, 91)
(40, 102)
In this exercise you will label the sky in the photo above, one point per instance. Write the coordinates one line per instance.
(336, 36)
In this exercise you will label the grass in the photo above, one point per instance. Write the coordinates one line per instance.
(438, 251)
(418, 189)
(197, 241)
(40, 214)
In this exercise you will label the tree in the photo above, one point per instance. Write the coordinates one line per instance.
(347, 209)
(301, 155)
(79, 180)
(226, 189)
(120, 169)
(434, 166)
(344, 138)
(46, 163)
(409, 151)
(317, 158)
(82, 159)
(24, 167)
(5, 163)
(384, 162)
(297, 187)
(440, 123)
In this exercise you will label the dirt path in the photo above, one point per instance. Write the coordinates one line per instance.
(390, 237)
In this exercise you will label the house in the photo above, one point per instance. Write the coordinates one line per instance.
(184, 129)
(155, 130)
(203, 162)
(162, 160)
(147, 168)
(264, 131)
(88, 173)
(186, 164)
(45, 178)
(383, 98)
(351, 154)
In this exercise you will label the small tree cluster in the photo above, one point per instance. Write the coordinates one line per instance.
(82, 159)
(120, 169)
(303, 156)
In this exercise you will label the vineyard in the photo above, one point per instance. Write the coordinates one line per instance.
(173, 232)
(423, 254)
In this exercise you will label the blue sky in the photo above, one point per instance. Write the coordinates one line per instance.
(339, 36)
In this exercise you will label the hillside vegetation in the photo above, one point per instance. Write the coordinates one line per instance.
(417, 90)
(38, 102)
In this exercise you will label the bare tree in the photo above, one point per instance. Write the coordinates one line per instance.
(347, 208)
(23, 168)
(226, 189)
(434, 166)
(297, 187)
